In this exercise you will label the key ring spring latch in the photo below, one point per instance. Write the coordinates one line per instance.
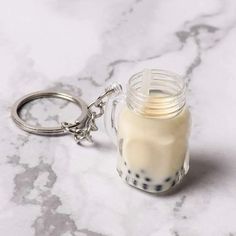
(82, 127)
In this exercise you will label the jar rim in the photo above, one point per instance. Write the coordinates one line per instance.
(166, 104)
(164, 73)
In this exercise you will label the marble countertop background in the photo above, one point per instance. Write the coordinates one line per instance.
(53, 187)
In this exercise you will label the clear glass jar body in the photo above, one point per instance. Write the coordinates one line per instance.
(152, 128)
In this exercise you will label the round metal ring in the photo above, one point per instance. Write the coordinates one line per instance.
(49, 131)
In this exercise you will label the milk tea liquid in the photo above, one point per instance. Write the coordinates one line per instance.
(153, 151)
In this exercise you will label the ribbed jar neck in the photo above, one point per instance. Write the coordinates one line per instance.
(162, 96)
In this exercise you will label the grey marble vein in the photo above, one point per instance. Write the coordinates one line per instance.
(179, 204)
(90, 79)
(67, 87)
(175, 233)
(50, 222)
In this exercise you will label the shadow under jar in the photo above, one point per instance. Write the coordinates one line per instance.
(152, 125)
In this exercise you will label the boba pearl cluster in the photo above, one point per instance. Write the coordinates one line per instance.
(142, 181)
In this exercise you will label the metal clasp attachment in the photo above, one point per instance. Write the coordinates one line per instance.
(82, 130)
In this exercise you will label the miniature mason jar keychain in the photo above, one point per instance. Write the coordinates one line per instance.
(150, 124)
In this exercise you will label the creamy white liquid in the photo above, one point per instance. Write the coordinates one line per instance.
(154, 152)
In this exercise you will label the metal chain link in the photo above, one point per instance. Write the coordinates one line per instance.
(82, 131)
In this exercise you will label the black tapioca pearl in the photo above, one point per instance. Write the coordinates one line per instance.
(168, 179)
(173, 183)
(126, 178)
(158, 187)
(145, 186)
(137, 176)
(148, 179)
(135, 182)
(125, 163)
(129, 171)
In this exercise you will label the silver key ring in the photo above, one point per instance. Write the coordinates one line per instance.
(51, 131)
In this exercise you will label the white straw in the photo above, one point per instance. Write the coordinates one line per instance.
(147, 76)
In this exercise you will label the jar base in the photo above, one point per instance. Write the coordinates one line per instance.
(148, 185)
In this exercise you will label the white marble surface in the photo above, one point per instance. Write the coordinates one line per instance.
(53, 187)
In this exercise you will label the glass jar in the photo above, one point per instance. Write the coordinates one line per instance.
(150, 125)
